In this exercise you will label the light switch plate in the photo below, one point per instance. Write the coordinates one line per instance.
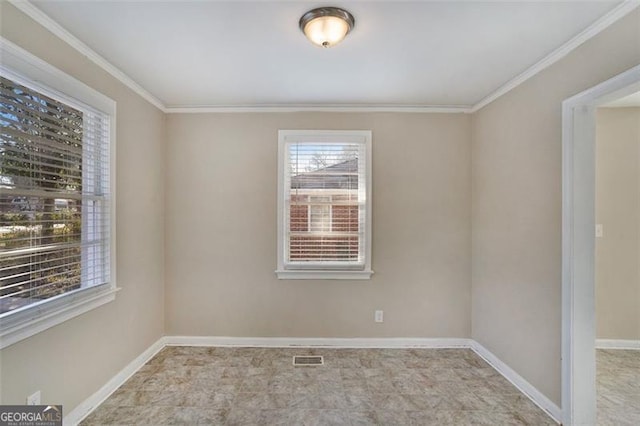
(599, 230)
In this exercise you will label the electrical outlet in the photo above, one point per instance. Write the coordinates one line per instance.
(34, 399)
(379, 316)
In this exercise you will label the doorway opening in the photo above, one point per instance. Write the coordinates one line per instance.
(578, 244)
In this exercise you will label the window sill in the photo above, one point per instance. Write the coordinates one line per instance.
(302, 274)
(33, 320)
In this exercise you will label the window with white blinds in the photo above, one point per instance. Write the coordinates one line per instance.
(55, 199)
(324, 218)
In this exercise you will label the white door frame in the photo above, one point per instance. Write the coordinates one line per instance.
(578, 244)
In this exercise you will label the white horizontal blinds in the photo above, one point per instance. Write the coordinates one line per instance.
(54, 174)
(95, 204)
(325, 194)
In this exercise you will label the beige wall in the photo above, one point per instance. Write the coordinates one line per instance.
(71, 361)
(516, 231)
(219, 190)
(221, 230)
(618, 210)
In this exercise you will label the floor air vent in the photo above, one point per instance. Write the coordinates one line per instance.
(308, 360)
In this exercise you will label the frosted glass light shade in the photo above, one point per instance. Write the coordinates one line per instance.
(326, 26)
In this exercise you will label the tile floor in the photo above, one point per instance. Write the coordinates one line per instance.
(260, 386)
(618, 387)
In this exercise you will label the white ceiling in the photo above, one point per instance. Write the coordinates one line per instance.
(241, 53)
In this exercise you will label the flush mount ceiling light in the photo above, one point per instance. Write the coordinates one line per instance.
(326, 26)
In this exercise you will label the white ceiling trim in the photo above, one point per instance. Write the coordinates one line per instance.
(601, 24)
(320, 108)
(40, 17)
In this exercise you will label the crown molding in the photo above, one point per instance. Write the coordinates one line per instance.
(318, 108)
(607, 20)
(43, 19)
(592, 30)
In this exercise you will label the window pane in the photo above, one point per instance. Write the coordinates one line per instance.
(320, 214)
(324, 202)
(52, 164)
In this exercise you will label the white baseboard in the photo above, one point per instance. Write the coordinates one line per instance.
(617, 344)
(518, 381)
(283, 342)
(89, 404)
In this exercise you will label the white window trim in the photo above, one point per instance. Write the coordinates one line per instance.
(23, 67)
(337, 273)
